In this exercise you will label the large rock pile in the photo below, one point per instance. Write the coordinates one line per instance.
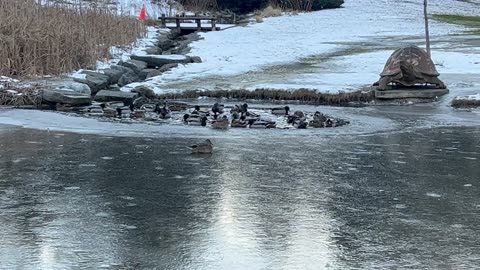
(104, 85)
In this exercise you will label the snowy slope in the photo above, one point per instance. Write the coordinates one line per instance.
(261, 55)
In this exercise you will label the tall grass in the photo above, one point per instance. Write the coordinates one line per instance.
(52, 39)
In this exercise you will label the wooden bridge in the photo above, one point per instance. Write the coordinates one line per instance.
(196, 23)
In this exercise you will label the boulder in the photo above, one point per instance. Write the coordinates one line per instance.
(127, 78)
(115, 72)
(65, 97)
(96, 81)
(144, 92)
(109, 96)
(144, 73)
(167, 67)
(135, 64)
(76, 87)
(160, 60)
(165, 43)
(153, 73)
(153, 50)
(196, 59)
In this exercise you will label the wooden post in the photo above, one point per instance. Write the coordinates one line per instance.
(427, 32)
(214, 22)
(164, 21)
(177, 20)
(199, 24)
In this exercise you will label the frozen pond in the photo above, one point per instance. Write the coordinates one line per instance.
(407, 198)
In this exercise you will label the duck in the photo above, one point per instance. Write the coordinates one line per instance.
(205, 147)
(95, 110)
(281, 110)
(108, 111)
(163, 112)
(124, 112)
(260, 123)
(217, 109)
(194, 120)
(238, 123)
(222, 123)
(140, 114)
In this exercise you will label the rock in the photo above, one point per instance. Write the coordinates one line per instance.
(160, 60)
(127, 78)
(165, 43)
(115, 72)
(174, 34)
(196, 59)
(80, 88)
(136, 65)
(109, 96)
(167, 67)
(144, 73)
(144, 92)
(153, 73)
(96, 81)
(153, 50)
(65, 97)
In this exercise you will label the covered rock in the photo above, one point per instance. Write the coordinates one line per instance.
(135, 64)
(76, 87)
(127, 78)
(160, 60)
(96, 81)
(109, 96)
(144, 91)
(115, 72)
(65, 97)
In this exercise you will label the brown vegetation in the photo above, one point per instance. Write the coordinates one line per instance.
(306, 96)
(53, 39)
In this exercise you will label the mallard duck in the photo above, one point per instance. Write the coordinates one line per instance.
(140, 114)
(260, 123)
(281, 110)
(195, 120)
(205, 147)
(95, 110)
(221, 123)
(217, 109)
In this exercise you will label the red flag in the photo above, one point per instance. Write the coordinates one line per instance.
(143, 14)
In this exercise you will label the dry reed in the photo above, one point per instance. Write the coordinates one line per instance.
(53, 39)
(306, 96)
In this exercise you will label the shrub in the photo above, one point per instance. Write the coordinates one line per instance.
(51, 40)
(271, 12)
(326, 4)
(307, 5)
(242, 6)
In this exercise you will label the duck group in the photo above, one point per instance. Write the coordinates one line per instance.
(215, 116)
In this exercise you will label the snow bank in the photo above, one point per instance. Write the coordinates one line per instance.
(284, 40)
(469, 97)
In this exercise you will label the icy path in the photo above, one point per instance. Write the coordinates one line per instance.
(330, 50)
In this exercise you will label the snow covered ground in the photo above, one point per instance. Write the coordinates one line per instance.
(329, 50)
(123, 7)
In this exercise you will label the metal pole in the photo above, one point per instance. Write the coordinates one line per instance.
(427, 33)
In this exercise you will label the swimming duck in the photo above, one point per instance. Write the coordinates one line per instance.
(194, 120)
(217, 109)
(221, 123)
(108, 111)
(205, 147)
(239, 123)
(260, 123)
(164, 112)
(281, 110)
